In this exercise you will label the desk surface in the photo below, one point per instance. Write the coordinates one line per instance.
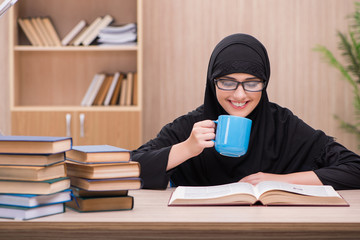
(151, 217)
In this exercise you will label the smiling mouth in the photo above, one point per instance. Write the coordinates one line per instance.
(238, 104)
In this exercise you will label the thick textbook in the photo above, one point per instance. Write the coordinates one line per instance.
(33, 200)
(34, 187)
(265, 193)
(78, 192)
(31, 159)
(93, 204)
(34, 144)
(32, 173)
(23, 213)
(103, 170)
(106, 184)
(98, 153)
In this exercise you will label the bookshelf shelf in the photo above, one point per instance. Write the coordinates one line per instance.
(73, 48)
(48, 83)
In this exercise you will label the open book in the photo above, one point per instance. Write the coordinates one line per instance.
(265, 193)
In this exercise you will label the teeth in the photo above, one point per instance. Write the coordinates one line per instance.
(238, 104)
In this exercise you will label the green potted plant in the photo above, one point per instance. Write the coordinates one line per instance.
(349, 46)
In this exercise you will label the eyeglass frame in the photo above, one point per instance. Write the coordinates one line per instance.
(240, 83)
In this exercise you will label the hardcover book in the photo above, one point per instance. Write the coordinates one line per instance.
(34, 187)
(265, 193)
(23, 213)
(93, 204)
(103, 170)
(106, 184)
(33, 200)
(31, 159)
(34, 144)
(98, 154)
(31, 173)
(78, 192)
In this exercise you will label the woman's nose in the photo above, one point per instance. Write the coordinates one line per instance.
(240, 93)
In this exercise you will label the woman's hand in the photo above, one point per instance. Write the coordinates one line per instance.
(302, 178)
(200, 137)
(260, 177)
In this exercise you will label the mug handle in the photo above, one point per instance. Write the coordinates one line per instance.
(216, 122)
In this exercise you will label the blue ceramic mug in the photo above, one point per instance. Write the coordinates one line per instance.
(232, 135)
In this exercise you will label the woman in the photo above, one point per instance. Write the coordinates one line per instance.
(281, 148)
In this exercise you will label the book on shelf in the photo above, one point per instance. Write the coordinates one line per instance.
(98, 154)
(135, 88)
(88, 31)
(39, 31)
(116, 95)
(78, 36)
(93, 89)
(24, 213)
(34, 144)
(78, 192)
(93, 204)
(32, 173)
(33, 200)
(106, 184)
(123, 91)
(89, 91)
(73, 33)
(50, 29)
(101, 94)
(129, 89)
(105, 21)
(269, 193)
(31, 159)
(112, 87)
(34, 187)
(30, 31)
(103, 170)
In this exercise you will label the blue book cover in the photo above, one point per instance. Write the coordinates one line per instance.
(98, 154)
(35, 200)
(34, 144)
(23, 213)
(98, 149)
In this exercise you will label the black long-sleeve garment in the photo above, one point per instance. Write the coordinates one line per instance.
(334, 165)
(279, 143)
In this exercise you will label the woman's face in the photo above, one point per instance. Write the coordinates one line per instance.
(238, 102)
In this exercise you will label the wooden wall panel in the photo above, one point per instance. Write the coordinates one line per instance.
(4, 76)
(179, 36)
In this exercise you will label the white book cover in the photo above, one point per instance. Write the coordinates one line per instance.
(75, 31)
(95, 90)
(95, 31)
(81, 38)
(111, 89)
(89, 90)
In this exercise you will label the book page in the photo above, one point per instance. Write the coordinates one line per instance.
(311, 190)
(212, 191)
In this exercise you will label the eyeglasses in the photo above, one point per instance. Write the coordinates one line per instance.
(249, 86)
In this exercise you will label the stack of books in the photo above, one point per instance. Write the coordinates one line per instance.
(118, 35)
(33, 181)
(101, 176)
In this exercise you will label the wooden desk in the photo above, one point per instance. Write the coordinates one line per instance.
(151, 218)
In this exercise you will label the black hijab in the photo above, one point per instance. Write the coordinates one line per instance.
(279, 142)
